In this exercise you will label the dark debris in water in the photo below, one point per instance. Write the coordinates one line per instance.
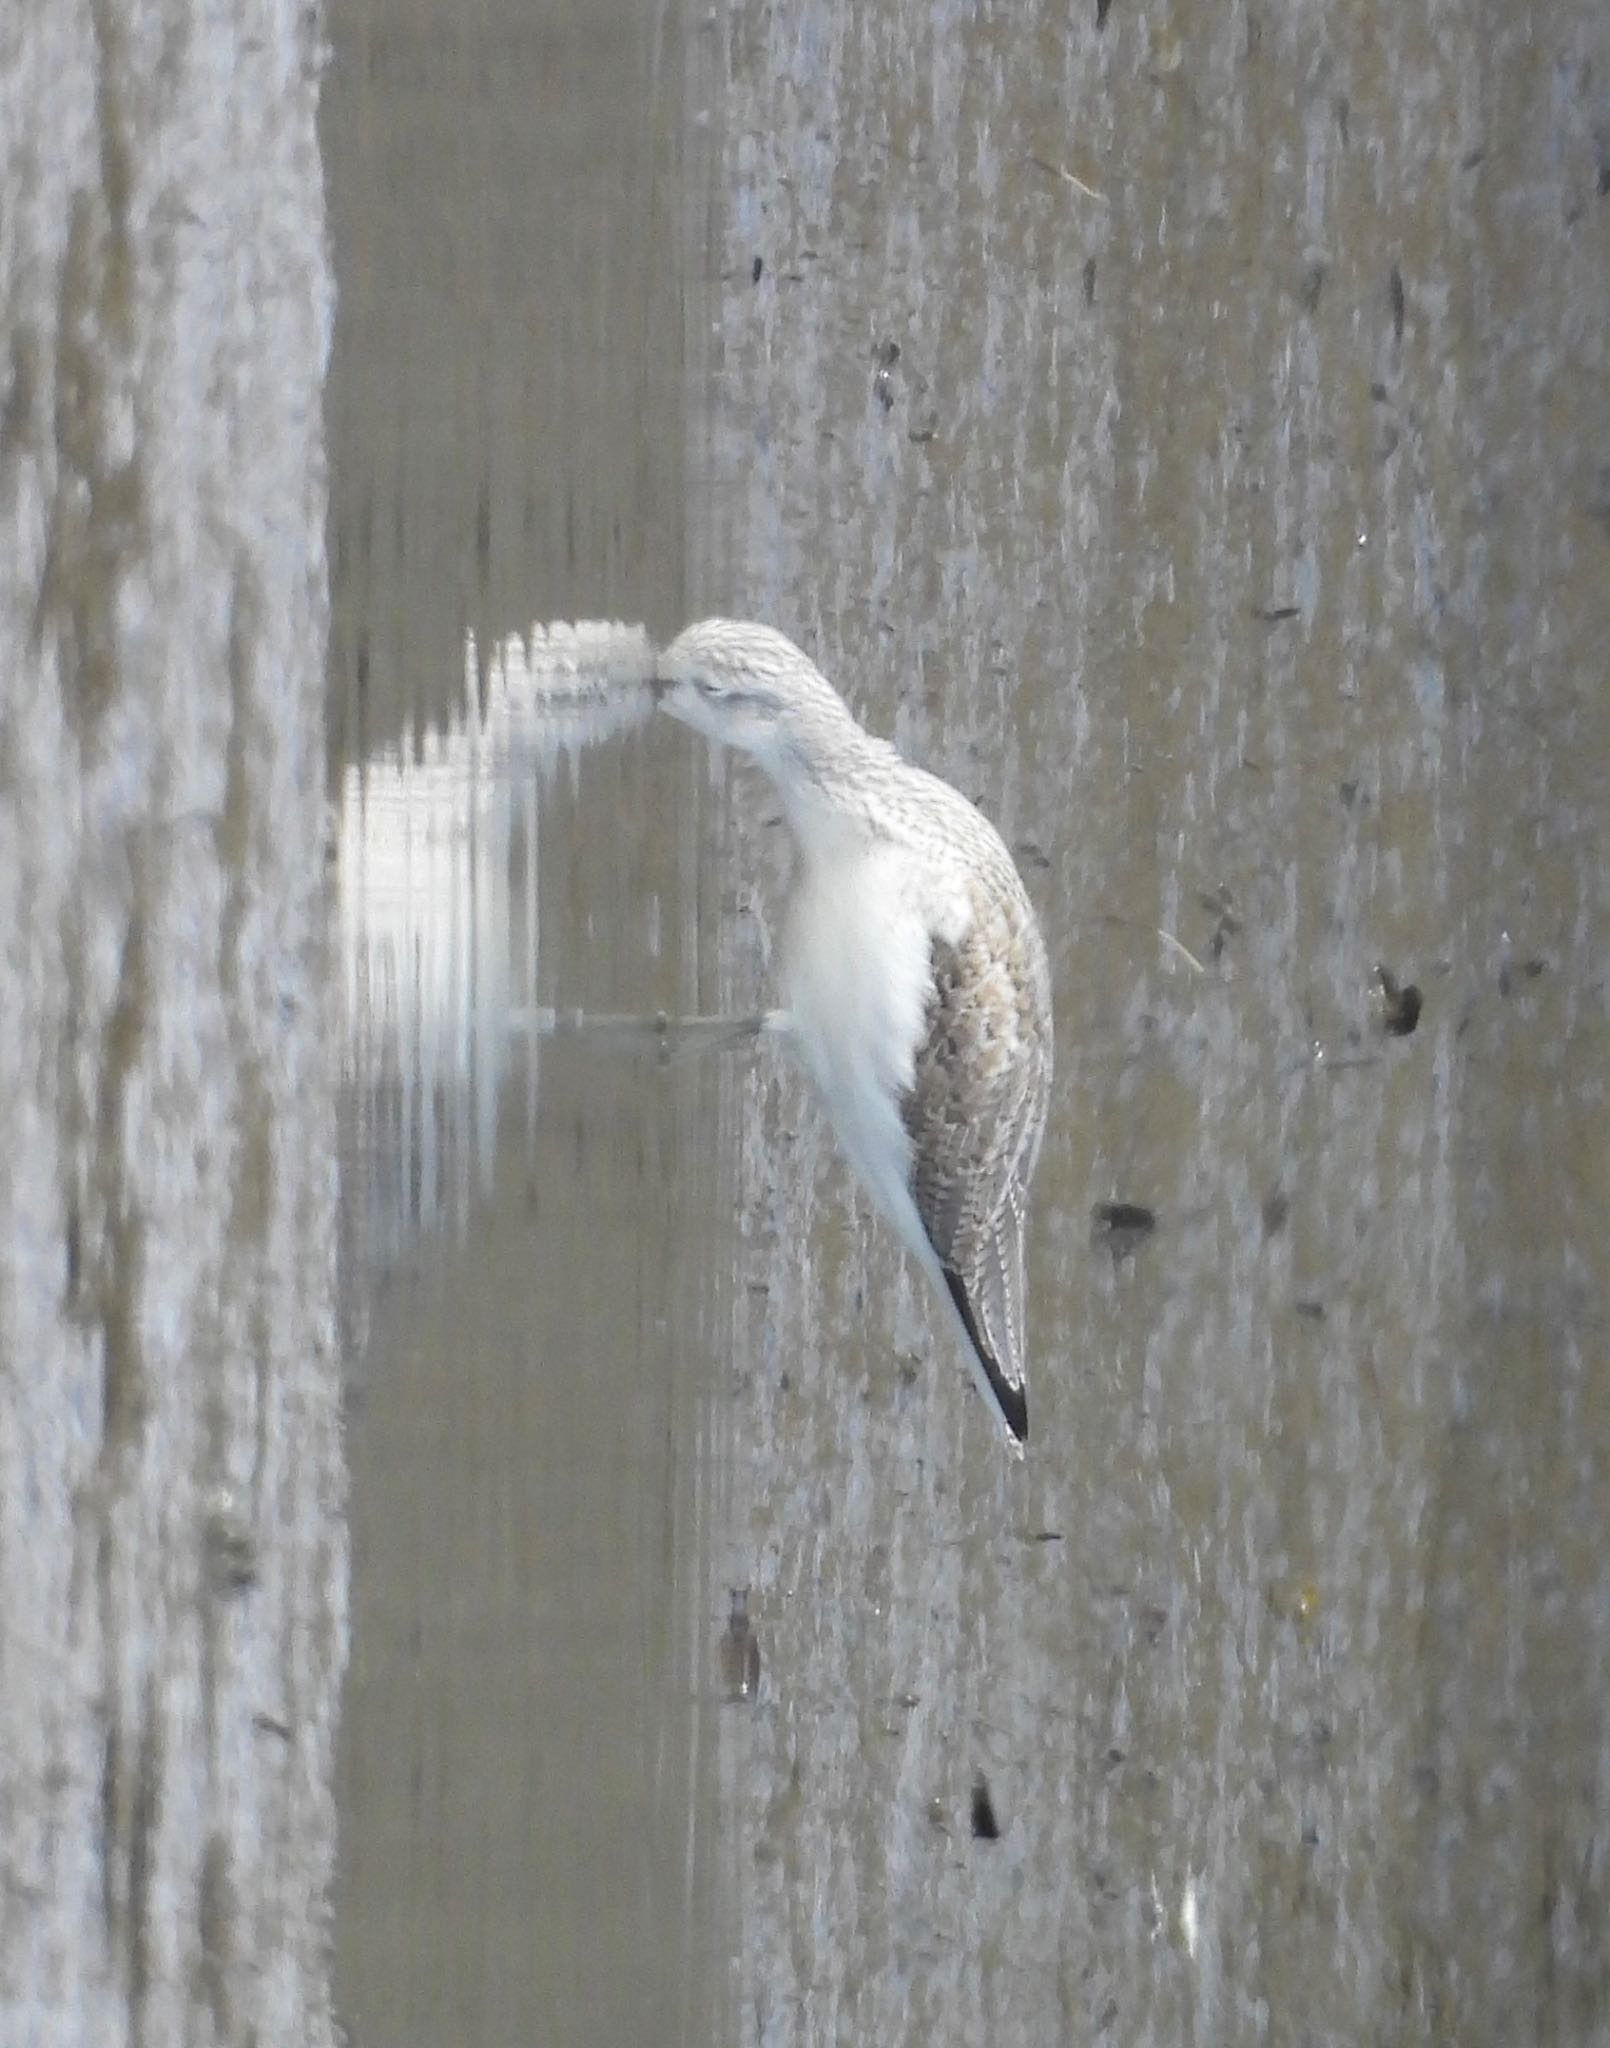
(986, 1828)
(1220, 906)
(1528, 970)
(883, 386)
(1397, 1003)
(1276, 1208)
(1123, 1227)
(1312, 288)
(740, 1650)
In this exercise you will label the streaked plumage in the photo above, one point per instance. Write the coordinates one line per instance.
(916, 979)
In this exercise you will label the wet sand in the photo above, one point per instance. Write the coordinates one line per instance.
(172, 1542)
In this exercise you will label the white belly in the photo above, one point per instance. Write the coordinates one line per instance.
(856, 978)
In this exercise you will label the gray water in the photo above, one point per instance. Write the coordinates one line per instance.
(1237, 536)
(1189, 436)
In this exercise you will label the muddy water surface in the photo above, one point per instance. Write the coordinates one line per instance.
(535, 1230)
(1190, 438)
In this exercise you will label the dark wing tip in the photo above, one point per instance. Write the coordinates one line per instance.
(1012, 1401)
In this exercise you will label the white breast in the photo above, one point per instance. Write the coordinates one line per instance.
(856, 976)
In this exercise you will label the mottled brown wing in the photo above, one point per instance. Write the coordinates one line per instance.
(975, 1114)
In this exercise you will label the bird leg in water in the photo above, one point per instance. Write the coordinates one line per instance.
(670, 1037)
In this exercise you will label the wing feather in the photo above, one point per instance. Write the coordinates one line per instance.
(975, 1114)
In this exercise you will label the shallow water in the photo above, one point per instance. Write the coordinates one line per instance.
(1189, 436)
(1147, 427)
(531, 1835)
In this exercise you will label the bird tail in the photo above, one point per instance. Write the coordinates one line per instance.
(1009, 1395)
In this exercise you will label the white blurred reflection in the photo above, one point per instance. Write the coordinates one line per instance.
(436, 882)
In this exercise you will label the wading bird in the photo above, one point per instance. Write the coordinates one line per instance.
(914, 976)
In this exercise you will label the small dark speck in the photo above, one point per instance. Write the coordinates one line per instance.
(1529, 969)
(1380, 394)
(1276, 614)
(1226, 925)
(1046, 1536)
(757, 270)
(886, 354)
(1032, 855)
(1398, 1003)
(1103, 8)
(1276, 1208)
(1394, 287)
(1344, 117)
(1090, 280)
(985, 1826)
(1348, 792)
(1310, 1311)
(1312, 289)
(1472, 157)
(1122, 1226)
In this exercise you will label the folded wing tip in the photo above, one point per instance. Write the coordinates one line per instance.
(1010, 1395)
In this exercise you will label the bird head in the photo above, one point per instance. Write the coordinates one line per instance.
(746, 686)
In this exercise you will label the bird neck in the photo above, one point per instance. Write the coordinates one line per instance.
(827, 777)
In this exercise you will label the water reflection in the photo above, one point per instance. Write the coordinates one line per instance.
(437, 888)
(528, 1750)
